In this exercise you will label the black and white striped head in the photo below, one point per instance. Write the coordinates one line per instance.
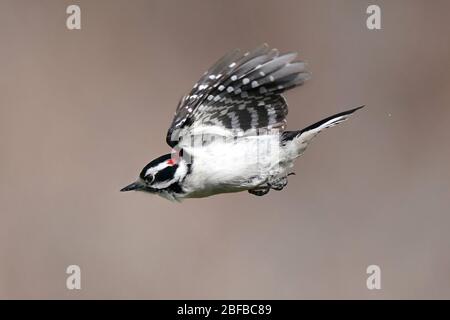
(162, 176)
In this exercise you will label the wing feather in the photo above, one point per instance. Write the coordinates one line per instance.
(239, 92)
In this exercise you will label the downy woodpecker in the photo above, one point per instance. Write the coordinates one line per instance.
(228, 133)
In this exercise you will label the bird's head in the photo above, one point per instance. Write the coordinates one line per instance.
(161, 176)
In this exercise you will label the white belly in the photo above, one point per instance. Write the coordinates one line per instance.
(233, 166)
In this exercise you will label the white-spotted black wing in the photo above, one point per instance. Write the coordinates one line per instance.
(239, 92)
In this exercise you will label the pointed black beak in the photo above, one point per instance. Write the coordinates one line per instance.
(134, 186)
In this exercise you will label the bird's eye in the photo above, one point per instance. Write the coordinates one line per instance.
(149, 178)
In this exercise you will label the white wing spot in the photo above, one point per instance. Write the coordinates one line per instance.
(232, 65)
(254, 117)
(245, 80)
(233, 78)
(254, 84)
(234, 120)
(230, 89)
(221, 88)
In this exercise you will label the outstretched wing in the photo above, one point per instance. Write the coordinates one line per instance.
(239, 92)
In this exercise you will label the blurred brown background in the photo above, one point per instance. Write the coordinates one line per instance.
(82, 111)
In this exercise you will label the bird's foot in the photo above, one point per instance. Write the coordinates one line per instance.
(260, 191)
(278, 184)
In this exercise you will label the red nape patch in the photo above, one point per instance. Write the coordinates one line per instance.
(170, 162)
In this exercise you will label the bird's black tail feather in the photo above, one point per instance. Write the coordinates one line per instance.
(311, 131)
